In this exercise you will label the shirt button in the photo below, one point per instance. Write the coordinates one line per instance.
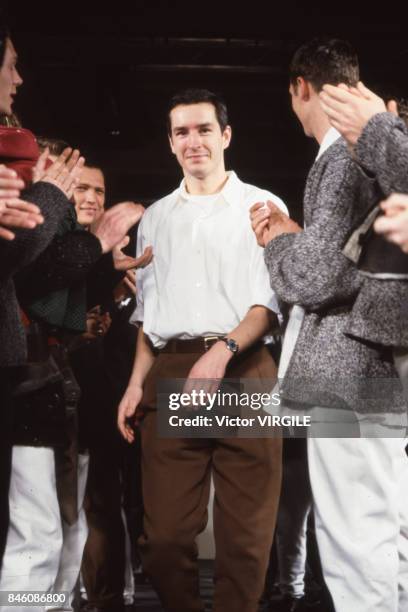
(198, 284)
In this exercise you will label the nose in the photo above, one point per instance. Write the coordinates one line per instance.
(90, 196)
(194, 139)
(17, 80)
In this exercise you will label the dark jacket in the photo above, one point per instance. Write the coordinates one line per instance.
(18, 253)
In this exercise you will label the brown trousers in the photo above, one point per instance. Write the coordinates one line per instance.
(176, 484)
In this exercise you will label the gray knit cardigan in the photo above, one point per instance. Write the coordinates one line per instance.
(328, 368)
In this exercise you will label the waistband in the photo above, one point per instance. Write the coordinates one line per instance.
(193, 345)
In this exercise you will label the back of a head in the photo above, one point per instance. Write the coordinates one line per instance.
(325, 60)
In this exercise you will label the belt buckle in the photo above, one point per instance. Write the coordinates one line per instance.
(207, 339)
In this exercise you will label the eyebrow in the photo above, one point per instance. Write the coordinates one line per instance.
(88, 186)
(200, 125)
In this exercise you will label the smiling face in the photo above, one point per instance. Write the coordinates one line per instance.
(9, 79)
(89, 196)
(196, 139)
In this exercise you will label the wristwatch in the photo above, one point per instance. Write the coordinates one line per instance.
(231, 345)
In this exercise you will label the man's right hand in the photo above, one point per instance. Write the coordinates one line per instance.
(112, 227)
(13, 211)
(127, 408)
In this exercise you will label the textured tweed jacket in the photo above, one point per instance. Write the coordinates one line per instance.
(328, 368)
(16, 254)
(380, 313)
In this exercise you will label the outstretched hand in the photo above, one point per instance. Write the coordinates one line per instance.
(124, 262)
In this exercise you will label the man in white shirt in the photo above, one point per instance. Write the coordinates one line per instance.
(205, 303)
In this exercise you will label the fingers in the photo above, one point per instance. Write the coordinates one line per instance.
(17, 213)
(392, 230)
(124, 243)
(72, 178)
(21, 205)
(332, 93)
(274, 208)
(332, 102)
(10, 184)
(144, 259)
(56, 167)
(39, 168)
(64, 172)
(365, 92)
(124, 412)
(396, 202)
(5, 234)
(255, 207)
(392, 107)
(130, 281)
(20, 220)
(127, 408)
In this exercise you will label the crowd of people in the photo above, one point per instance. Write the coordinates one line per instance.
(220, 270)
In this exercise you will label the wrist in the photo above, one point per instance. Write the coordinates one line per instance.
(228, 348)
(135, 385)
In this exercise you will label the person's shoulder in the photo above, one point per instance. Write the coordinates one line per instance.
(253, 194)
(337, 153)
(156, 207)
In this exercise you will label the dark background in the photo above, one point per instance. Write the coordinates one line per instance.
(102, 81)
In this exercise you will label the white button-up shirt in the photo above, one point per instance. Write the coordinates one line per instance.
(207, 269)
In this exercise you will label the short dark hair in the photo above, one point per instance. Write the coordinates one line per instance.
(197, 96)
(325, 60)
(55, 145)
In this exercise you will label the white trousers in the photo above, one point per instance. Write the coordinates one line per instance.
(360, 493)
(43, 553)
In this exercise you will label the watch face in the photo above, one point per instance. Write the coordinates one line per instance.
(232, 345)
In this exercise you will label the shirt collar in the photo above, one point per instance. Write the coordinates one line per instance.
(230, 192)
(329, 138)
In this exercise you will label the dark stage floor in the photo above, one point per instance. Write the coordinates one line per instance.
(146, 600)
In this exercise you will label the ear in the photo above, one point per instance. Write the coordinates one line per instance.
(171, 145)
(226, 136)
(303, 89)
